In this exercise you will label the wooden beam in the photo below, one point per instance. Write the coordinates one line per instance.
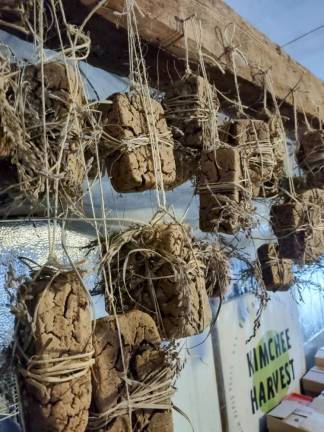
(160, 26)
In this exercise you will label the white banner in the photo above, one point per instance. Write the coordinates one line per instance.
(259, 373)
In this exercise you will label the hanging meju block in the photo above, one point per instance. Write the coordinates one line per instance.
(138, 143)
(156, 269)
(310, 156)
(298, 225)
(188, 104)
(49, 153)
(55, 352)
(224, 204)
(132, 376)
(258, 157)
(217, 269)
(276, 272)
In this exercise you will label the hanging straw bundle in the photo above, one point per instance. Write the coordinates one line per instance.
(189, 105)
(298, 225)
(127, 142)
(275, 273)
(225, 204)
(155, 268)
(45, 116)
(54, 351)
(49, 154)
(217, 269)
(132, 376)
(258, 154)
(310, 156)
(187, 110)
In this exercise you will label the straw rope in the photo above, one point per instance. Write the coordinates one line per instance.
(153, 393)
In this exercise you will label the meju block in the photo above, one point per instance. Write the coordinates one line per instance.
(219, 185)
(165, 278)
(134, 157)
(143, 359)
(188, 103)
(276, 272)
(62, 328)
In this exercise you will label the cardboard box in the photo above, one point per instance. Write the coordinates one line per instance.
(313, 381)
(319, 358)
(296, 413)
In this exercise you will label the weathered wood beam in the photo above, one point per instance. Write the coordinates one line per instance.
(160, 26)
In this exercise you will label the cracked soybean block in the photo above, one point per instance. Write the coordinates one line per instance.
(276, 272)
(292, 223)
(61, 92)
(131, 168)
(285, 220)
(252, 137)
(62, 328)
(176, 296)
(220, 172)
(217, 271)
(186, 103)
(166, 238)
(181, 299)
(142, 357)
(310, 157)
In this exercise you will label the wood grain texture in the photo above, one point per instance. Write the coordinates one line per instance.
(160, 26)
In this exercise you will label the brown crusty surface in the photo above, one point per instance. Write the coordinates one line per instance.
(261, 152)
(184, 103)
(219, 168)
(142, 356)
(276, 272)
(297, 223)
(167, 280)
(132, 169)
(62, 328)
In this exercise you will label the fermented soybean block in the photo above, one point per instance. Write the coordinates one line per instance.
(132, 164)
